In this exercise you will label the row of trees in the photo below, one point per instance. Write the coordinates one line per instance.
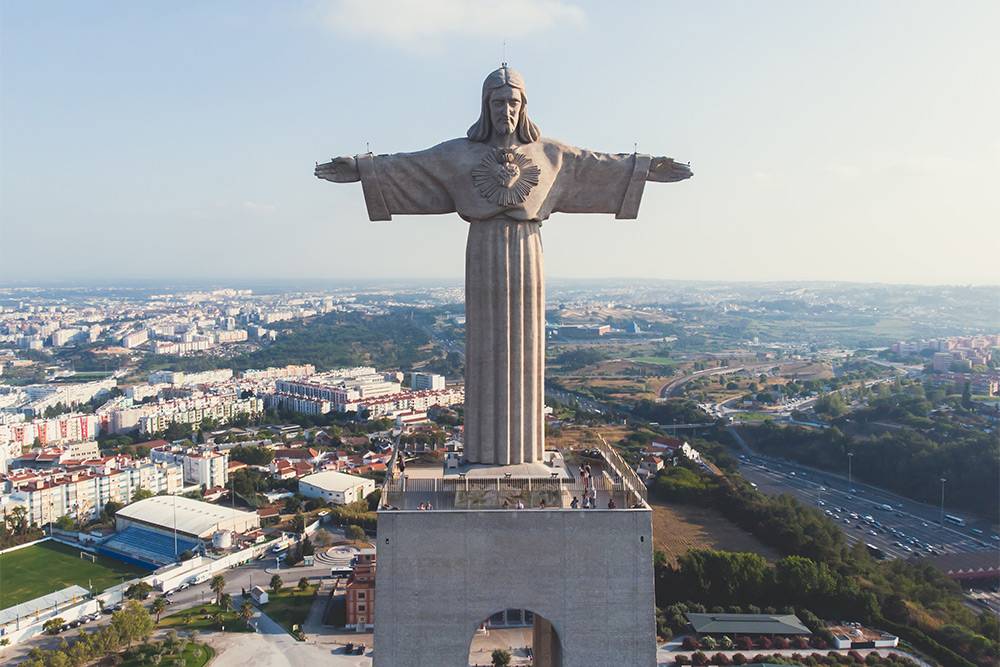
(905, 460)
(831, 658)
(130, 625)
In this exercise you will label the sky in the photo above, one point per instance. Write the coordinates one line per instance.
(830, 140)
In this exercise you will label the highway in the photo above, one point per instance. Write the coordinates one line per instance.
(909, 529)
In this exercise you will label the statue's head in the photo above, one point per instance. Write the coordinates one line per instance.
(504, 108)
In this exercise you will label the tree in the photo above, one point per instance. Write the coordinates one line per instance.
(355, 533)
(307, 547)
(65, 522)
(141, 494)
(217, 585)
(292, 504)
(303, 584)
(138, 591)
(298, 523)
(226, 602)
(159, 606)
(110, 509)
(51, 626)
(17, 519)
(246, 612)
(500, 658)
(276, 583)
(132, 623)
(967, 395)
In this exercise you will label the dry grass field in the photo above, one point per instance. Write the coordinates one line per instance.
(679, 528)
(583, 437)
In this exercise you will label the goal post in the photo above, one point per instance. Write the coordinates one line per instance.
(88, 556)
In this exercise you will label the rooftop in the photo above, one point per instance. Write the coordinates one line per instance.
(192, 517)
(331, 480)
(747, 624)
(45, 602)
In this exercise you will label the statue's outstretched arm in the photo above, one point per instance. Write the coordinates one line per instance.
(339, 170)
(668, 170)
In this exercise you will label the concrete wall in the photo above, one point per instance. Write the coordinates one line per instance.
(588, 572)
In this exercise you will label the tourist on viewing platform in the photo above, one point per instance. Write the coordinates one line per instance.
(593, 497)
(611, 504)
(575, 503)
(520, 505)
(541, 504)
(506, 504)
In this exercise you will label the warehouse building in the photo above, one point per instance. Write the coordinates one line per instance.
(336, 487)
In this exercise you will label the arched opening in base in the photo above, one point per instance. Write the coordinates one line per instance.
(525, 637)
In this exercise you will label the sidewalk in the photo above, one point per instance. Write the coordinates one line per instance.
(313, 625)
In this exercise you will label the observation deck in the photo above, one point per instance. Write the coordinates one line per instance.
(549, 486)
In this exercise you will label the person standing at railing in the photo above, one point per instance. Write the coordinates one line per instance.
(575, 503)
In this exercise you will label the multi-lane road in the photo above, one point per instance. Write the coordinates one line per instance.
(906, 529)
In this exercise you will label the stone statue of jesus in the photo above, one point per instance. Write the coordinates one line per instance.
(504, 179)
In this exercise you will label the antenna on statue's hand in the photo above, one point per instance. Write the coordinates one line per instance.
(368, 148)
(503, 55)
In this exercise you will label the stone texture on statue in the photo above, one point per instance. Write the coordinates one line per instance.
(505, 180)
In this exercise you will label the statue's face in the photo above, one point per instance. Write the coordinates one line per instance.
(505, 109)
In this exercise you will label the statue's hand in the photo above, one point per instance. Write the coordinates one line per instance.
(666, 170)
(339, 170)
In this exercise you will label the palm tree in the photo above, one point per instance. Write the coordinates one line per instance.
(218, 583)
(159, 605)
(226, 602)
(246, 612)
(217, 619)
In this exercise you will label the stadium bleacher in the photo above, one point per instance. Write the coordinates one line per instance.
(145, 547)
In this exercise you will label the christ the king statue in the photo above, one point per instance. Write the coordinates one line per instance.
(504, 179)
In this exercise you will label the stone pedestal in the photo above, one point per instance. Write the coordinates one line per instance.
(587, 573)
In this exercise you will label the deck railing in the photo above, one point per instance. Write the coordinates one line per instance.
(625, 472)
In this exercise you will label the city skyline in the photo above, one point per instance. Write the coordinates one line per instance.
(872, 147)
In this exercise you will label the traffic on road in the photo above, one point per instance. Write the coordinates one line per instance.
(895, 527)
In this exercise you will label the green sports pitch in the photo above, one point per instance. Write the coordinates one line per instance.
(40, 569)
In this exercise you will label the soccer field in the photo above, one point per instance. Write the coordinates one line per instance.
(43, 568)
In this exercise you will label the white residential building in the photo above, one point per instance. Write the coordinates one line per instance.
(422, 381)
(48, 495)
(202, 466)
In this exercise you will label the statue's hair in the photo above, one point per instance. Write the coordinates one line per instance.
(527, 132)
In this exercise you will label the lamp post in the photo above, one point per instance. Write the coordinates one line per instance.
(850, 462)
(943, 480)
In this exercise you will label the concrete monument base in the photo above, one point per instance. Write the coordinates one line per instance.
(586, 574)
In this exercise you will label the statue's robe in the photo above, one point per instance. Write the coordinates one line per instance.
(504, 278)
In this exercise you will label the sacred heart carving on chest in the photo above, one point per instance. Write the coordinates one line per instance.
(505, 176)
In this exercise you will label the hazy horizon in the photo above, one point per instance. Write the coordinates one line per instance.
(175, 143)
